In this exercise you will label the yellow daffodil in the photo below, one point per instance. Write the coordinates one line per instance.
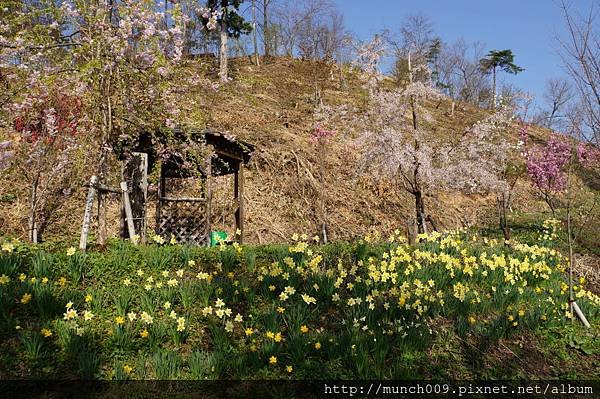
(308, 299)
(7, 247)
(70, 314)
(146, 318)
(180, 324)
(26, 298)
(172, 282)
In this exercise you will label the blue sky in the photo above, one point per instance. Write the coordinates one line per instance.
(528, 27)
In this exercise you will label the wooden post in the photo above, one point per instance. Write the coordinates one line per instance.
(128, 214)
(208, 182)
(87, 215)
(239, 197)
(102, 228)
(161, 195)
(135, 174)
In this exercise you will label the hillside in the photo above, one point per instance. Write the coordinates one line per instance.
(460, 305)
(272, 106)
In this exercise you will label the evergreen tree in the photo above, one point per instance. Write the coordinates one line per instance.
(503, 59)
(231, 24)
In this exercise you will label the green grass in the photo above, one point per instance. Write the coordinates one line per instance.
(456, 305)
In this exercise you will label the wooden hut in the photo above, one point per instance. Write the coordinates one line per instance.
(188, 218)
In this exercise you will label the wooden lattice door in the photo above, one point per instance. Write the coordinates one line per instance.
(184, 218)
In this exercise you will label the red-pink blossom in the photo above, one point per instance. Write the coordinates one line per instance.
(320, 135)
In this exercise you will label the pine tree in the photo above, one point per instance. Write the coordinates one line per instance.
(231, 24)
(503, 59)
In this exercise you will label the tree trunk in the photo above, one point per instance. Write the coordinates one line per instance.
(135, 174)
(223, 48)
(266, 34)
(32, 225)
(254, 39)
(102, 226)
(103, 174)
(502, 214)
(420, 212)
(548, 199)
(324, 228)
(570, 238)
(494, 88)
(431, 221)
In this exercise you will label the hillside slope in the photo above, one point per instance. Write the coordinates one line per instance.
(272, 107)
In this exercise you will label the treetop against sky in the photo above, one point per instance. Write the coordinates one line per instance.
(529, 28)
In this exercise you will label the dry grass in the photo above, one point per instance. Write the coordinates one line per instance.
(272, 107)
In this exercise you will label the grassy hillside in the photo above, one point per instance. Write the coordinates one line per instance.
(456, 306)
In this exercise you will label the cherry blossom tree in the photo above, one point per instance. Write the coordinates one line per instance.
(546, 165)
(551, 167)
(122, 58)
(46, 150)
(549, 164)
(399, 142)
